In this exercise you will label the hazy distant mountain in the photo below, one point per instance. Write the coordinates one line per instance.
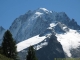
(2, 30)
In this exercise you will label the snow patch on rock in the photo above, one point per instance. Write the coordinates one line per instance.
(69, 40)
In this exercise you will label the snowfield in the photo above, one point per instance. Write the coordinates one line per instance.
(31, 41)
(69, 40)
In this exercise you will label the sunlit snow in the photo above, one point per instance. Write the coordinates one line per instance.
(44, 9)
(38, 13)
(52, 24)
(69, 40)
(64, 27)
(32, 41)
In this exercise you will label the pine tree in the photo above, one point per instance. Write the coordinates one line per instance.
(9, 46)
(31, 54)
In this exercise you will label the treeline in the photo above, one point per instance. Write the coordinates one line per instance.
(8, 49)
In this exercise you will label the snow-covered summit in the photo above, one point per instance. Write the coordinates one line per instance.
(42, 10)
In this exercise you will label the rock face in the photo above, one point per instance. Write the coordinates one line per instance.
(35, 22)
(75, 52)
(51, 51)
(29, 25)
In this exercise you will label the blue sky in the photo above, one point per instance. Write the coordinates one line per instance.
(11, 9)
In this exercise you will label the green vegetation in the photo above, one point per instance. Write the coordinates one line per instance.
(9, 46)
(4, 58)
(31, 54)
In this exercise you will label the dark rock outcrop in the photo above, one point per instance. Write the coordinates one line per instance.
(51, 51)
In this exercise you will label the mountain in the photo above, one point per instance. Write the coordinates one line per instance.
(36, 27)
(2, 30)
(35, 22)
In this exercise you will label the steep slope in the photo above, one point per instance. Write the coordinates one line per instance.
(24, 28)
(35, 22)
